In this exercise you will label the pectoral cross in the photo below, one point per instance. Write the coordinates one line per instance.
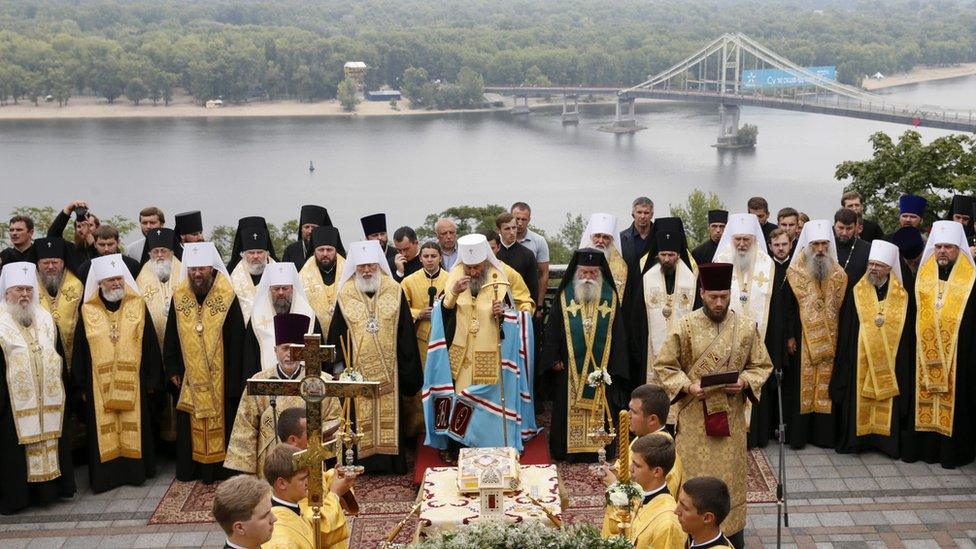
(313, 390)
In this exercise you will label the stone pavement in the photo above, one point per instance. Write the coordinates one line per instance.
(844, 501)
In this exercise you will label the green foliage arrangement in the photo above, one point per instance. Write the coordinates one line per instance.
(694, 215)
(494, 535)
(935, 171)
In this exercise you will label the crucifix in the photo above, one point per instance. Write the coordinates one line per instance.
(313, 389)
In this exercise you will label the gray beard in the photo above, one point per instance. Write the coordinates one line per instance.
(475, 284)
(877, 281)
(52, 283)
(743, 261)
(281, 306)
(162, 269)
(587, 291)
(22, 314)
(113, 296)
(368, 286)
(255, 269)
(818, 267)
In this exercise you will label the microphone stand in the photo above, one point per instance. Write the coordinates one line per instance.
(782, 507)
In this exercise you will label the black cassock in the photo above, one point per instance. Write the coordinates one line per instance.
(120, 471)
(705, 251)
(298, 253)
(410, 377)
(15, 492)
(854, 259)
(233, 339)
(779, 328)
(843, 382)
(950, 452)
(555, 350)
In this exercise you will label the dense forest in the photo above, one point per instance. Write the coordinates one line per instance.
(244, 49)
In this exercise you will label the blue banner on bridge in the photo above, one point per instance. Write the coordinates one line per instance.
(776, 78)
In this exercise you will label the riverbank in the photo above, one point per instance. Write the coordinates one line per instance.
(185, 107)
(920, 74)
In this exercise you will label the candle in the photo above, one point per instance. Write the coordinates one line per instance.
(623, 447)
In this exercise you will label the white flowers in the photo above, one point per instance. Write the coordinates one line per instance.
(599, 377)
(351, 375)
(620, 494)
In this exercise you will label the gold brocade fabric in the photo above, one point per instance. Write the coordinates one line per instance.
(321, 296)
(416, 288)
(202, 344)
(819, 305)
(158, 295)
(35, 391)
(64, 309)
(115, 344)
(937, 334)
(618, 268)
(663, 309)
(375, 357)
(697, 347)
(254, 433)
(474, 349)
(245, 288)
(877, 349)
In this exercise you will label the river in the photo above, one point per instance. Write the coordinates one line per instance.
(412, 166)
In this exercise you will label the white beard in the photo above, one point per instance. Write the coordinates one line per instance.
(281, 306)
(22, 314)
(113, 296)
(743, 261)
(588, 291)
(255, 269)
(368, 285)
(162, 269)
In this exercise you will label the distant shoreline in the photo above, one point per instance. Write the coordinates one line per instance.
(919, 75)
(184, 106)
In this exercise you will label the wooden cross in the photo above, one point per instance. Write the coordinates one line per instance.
(313, 390)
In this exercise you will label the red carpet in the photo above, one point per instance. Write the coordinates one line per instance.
(536, 453)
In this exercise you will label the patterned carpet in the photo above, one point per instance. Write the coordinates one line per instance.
(385, 499)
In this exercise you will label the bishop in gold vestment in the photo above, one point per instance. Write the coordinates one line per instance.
(819, 284)
(875, 356)
(35, 461)
(202, 354)
(60, 290)
(118, 363)
(942, 414)
(711, 430)
(320, 274)
(601, 233)
(373, 328)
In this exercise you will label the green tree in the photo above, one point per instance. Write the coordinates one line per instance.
(223, 238)
(747, 135)
(414, 80)
(572, 231)
(348, 95)
(472, 87)
(694, 214)
(535, 77)
(469, 219)
(136, 90)
(935, 171)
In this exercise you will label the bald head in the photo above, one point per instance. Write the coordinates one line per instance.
(446, 231)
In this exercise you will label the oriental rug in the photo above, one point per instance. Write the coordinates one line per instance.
(385, 500)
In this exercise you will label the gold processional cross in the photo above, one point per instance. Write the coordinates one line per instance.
(313, 390)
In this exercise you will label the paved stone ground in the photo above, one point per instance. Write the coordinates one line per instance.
(836, 500)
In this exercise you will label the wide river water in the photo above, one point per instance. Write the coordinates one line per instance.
(411, 166)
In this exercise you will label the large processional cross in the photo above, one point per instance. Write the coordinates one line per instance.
(313, 389)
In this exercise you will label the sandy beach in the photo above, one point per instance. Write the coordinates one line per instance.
(920, 74)
(184, 106)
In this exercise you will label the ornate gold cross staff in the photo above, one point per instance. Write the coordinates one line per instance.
(313, 389)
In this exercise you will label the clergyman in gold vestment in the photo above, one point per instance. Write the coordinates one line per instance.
(711, 430)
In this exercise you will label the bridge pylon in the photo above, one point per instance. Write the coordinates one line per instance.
(522, 109)
(625, 120)
(570, 114)
(729, 131)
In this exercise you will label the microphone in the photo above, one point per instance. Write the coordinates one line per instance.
(431, 293)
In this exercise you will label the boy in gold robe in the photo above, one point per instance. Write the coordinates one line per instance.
(294, 527)
(655, 525)
(703, 505)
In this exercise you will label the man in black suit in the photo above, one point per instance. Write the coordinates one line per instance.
(636, 239)
(870, 230)
(758, 206)
(852, 252)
